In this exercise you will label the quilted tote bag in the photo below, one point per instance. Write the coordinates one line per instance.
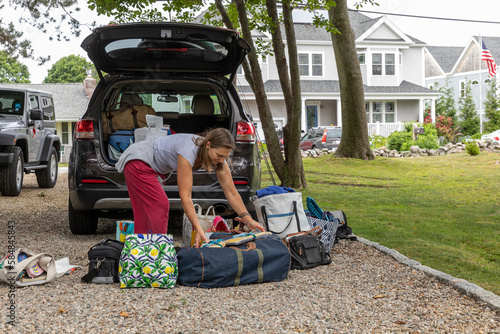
(329, 231)
(148, 261)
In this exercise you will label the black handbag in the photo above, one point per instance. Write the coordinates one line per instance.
(307, 250)
(103, 265)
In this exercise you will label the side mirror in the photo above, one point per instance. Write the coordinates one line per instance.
(36, 115)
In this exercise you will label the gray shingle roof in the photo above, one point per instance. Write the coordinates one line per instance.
(446, 56)
(360, 24)
(332, 86)
(70, 100)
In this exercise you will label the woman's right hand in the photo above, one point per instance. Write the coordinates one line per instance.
(200, 237)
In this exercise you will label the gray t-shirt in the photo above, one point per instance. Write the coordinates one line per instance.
(161, 153)
(167, 148)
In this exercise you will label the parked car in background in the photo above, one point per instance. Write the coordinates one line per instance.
(331, 137)
(184, 72)
(312, 139)
(28, 139)
(495, 136)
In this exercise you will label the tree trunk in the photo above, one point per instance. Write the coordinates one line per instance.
(265, 115)
(293, 175)
(354, 142)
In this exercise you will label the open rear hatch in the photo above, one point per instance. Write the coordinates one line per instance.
(165, 47)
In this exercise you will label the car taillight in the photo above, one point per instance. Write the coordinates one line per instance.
(84, 129)
(245, 132)
(323, 140)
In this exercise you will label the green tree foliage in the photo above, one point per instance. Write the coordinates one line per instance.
(468, 114)
(38, 14)
(445, 104)
(492, 108)
(72, 68)
(12, 71)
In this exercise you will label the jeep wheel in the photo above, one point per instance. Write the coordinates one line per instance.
(47, 177)
(11, 180)
(81, 222)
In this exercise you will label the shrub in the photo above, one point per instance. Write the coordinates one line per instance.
(472, 148)
(427, 141)
(397, 139)
(409, 126)
(445, 128)
(377, 141)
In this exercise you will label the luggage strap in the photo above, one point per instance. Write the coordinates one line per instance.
(239, 256)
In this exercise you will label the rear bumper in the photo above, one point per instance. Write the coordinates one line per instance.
(92, 198)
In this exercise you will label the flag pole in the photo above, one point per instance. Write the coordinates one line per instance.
(480, 83)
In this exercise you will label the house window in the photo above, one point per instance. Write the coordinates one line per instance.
(303, 64)
(381, 61)
(361, 57)
(390, 64)
(487, 81)
(474, 83)
(377, 112)
(462, 89)
(389, 112)
(317, 65)
(377, 64)
(64, 133)
(263, 60)
(311, 64)
(381, 111)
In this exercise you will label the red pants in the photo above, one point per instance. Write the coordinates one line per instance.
(149, 201)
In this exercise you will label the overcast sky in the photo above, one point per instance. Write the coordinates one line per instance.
(430, 31)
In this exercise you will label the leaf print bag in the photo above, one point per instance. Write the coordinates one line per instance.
(148, 261)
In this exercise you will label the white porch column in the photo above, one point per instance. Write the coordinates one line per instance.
(339, 113)
(421, 106)
(433, 110)
(303, 116)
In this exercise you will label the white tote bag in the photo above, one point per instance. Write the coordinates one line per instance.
(205, 220)
(282, 214)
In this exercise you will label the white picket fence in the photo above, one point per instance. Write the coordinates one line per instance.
(384, 129)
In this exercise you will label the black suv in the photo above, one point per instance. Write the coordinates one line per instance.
(28, 140)
(185, 73)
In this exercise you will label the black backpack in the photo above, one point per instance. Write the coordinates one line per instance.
(307, 250)
(103, 265)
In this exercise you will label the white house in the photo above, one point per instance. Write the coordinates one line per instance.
(70, 103)
(456, 65)
(392, 65)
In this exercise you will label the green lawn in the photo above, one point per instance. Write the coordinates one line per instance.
(441, 211)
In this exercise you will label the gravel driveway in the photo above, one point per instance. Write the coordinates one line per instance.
(363, 290)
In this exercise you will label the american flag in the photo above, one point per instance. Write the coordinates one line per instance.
(486, 55)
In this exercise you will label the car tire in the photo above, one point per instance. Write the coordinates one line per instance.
(11, 180)
(47, 177)
(81, 222)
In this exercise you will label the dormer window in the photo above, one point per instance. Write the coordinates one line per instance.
(390, 64)
(377, 64)
(383, 64)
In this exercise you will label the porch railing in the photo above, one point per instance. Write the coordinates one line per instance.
(384, 129)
